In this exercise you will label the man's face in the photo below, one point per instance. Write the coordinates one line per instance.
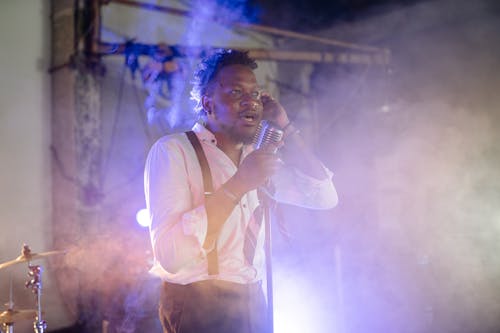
(233, 104)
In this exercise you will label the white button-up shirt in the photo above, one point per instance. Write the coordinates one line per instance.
(175, 199)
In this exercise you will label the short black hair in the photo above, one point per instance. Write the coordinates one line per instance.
(211, 65)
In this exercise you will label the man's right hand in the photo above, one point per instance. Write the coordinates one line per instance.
(256, 169)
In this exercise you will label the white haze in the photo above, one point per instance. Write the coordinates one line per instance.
(416, 162)
(413, 245)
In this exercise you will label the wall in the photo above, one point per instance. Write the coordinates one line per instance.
(25, 186)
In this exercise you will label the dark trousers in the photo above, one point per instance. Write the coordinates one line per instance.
(213, 306)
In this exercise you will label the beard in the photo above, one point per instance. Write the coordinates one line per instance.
(239, 135)
(234, 129)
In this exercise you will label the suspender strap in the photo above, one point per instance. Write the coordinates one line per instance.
(212, 258)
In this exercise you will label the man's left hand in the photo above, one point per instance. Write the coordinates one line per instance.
(273, 110)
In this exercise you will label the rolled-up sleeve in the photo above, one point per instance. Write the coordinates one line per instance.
(178, 224)
(296, 188)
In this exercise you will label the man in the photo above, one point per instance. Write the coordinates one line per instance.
(190, 227)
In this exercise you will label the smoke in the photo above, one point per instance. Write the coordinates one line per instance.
(103, 276)
(415, 156)
(215, 17)
(412, 245)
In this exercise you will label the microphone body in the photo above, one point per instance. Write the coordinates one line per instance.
(266, 134)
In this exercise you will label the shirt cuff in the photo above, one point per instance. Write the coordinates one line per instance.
(314, 181)
(297, 188)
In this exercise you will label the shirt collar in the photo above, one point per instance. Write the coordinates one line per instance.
(206, 136)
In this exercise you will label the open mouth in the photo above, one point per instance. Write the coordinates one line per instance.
(250, 118)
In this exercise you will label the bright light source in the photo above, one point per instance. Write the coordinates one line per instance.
(142, 218)
(297, 303)
(385, 108)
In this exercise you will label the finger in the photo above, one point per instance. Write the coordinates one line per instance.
(266, 97)
(274, 167)
(272, 147)
(265, 94)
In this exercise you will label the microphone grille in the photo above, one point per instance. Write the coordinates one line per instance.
(266, 133)
(257, 136)
(272, 135)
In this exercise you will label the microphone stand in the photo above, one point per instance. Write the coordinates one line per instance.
(267, 133)
(266, 201)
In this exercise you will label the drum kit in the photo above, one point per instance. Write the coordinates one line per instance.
(11, 315)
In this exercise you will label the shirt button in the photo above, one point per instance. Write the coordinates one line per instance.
(244, 205)
(213, 141)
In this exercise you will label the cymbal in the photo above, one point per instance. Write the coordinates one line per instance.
(11, 316)
(27, 255)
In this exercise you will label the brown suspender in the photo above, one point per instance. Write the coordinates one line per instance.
(213, 260)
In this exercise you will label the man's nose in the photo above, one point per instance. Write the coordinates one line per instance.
(249, 99)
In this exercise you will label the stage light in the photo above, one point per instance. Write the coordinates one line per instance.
(142, 218)
(297, 303)
(385, 108)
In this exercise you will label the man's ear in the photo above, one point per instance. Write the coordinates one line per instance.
(206, 102)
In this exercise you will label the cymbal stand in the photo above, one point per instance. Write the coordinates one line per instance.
(9, 327)
(36, 286)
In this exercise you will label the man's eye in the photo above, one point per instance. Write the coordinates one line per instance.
(236, 93)
(256, 94)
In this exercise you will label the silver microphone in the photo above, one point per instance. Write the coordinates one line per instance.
(266, 134)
